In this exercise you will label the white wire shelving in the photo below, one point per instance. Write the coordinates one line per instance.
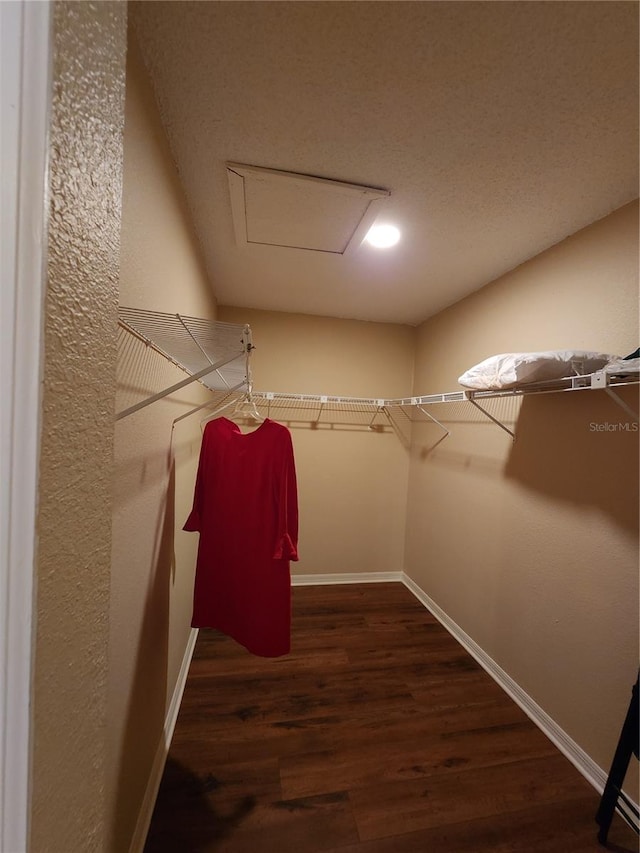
(218, 355)
(215, 354)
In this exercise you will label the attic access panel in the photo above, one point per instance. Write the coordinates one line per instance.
(285, 209)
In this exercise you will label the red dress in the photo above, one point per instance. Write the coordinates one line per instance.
(246, 509)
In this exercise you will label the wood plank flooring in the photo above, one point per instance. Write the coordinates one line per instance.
(377, 734)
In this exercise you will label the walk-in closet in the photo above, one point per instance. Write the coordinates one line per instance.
(450, 651)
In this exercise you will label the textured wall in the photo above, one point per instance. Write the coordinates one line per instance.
(532, 547)
(74, 523)
(153, 560)
(352, 482)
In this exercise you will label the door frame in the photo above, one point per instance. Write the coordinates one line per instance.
(26, 51)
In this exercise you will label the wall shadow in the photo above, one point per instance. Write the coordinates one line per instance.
(580, 448)
(145, 719)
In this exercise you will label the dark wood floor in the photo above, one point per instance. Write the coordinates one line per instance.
(377, 734)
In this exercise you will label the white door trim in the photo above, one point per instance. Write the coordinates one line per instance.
(25, 75)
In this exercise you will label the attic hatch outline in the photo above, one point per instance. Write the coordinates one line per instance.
(369, 199)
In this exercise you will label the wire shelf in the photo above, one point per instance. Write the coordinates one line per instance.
(217, 354)
(192, 343)
(213, 353)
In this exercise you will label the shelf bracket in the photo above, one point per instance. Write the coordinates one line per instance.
(206, 405)
(491, 417)
(178, 385)
(379, 408)
(395, 427)
(600, 379)
(435, 420)
(617, 399)
(323, 400)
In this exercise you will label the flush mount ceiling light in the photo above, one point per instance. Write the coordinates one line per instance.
(382, 236)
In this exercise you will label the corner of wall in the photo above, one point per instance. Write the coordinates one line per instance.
(74, 516)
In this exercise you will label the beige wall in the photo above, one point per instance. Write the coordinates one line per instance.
(352, 482)
(544, 577)
(531, 547)
(74, 521)
(153, 560)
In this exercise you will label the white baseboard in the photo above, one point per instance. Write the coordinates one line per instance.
(352, 577)
(585, 765)
(157, 768)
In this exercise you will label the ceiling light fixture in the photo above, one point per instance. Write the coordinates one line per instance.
(382, 236)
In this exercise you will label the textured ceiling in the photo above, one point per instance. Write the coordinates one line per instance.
(499, 128)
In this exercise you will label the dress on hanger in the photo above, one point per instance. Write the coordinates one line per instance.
(246, 510)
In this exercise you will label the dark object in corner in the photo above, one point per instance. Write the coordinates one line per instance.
(627, 744)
